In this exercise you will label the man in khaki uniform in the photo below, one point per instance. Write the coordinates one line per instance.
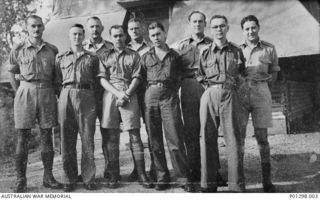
(77, 70)
(32, 62)
(101, 48)
(138, 44)
(221, 63)
(260, 74)
(120, 74)
(191, 91)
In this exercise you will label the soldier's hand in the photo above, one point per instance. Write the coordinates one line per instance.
(123, 96)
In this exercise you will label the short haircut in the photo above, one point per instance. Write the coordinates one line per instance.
(250, 18)
(197, 12)
(94, 18)
(33, 17)
(219, 17)
(77, 26)
(135, 19)
(115, 27)
(156, 24)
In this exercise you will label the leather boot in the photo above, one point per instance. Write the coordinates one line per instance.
(220, 181)
(48, 180)
(21, 168)
(266, 178)
(142, 177)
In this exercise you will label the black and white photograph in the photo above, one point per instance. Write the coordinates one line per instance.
(100, 98)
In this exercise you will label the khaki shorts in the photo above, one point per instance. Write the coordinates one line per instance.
(112, 115)
(256, 99)
(35, 103)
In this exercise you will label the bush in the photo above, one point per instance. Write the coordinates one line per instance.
(8, 134)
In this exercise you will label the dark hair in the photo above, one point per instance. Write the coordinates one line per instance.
(135, 19)
(77, 26)
(196, 12)
(219, 17)
(156, 24)
(94, 18)
(115, 27)
(250, 18)
(33, 17)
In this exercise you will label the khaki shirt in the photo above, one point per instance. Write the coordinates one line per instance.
(260, 61)
(120, 67)
(143, 48)
(168, 70)
(220, 65)
(81, 69)
(32, 63)
(101, 50)
(189, 51)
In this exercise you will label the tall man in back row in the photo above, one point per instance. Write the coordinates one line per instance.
(100, 48)
(192, 90)
(32, 62)
(260, 74)
(220, 66)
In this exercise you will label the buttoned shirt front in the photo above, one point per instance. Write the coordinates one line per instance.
(220, 65)
(141, 48)
(101, 49)
(189, 50)
(33, 63)
(120, 67)
(166, 70)
(77, 69)
(260, 61)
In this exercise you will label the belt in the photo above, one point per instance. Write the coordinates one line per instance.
(222, 85)
(78, 86)
(38, 84)
(160, 84)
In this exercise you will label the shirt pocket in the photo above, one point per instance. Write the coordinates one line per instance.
(67, 70)
(26, 66)
(187, 57)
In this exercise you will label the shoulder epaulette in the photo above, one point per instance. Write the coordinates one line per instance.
(266, 43)
(53, 47)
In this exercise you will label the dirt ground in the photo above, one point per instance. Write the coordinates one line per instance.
(295, 165)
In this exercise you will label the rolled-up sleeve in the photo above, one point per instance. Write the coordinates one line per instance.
(103, 72)
(136, 66)
(274, 61)
(12, 62)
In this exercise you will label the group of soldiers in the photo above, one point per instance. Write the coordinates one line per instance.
(219, 84)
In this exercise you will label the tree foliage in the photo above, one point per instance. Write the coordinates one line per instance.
(11, 12)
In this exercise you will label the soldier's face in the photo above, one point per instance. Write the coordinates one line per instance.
(35, 27)
(134, 30)
(197, 23)
(76, 36)
(219, 28)
(251, 31)
(157, 36)
(95, 28)
(118, 38)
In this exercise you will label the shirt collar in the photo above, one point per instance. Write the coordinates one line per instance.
(125, 50)
(143, 43)
(214, 46)
(29, 44)
(89, 44)
(259, 43)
